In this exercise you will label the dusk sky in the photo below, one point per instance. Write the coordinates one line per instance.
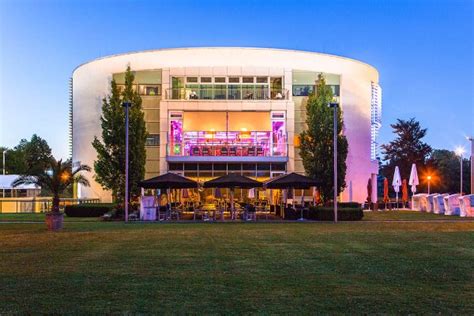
(423, 51)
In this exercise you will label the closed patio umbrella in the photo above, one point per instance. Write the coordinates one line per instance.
(404, 191)
(396, 182)
(414, 181)
(251, 193)
(385, 192)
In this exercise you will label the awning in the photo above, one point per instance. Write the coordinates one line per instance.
(249, 121)
(204, 121)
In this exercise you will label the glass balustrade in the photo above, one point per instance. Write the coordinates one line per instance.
(226, 92)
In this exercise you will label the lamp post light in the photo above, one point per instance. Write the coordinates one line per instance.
(471, 139)
(460, 152)
(334, 106)
(126, 105)
(429, 182)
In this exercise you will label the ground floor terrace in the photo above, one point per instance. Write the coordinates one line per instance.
(388, 263)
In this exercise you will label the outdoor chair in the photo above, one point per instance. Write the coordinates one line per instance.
(224, 151)
(205, 151)
(251, 151)
(259, 151)
(195, 151)
(233, 151)
(162, 213)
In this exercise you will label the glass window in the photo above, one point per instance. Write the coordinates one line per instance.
(278, 166)
(335, 90)
(302, 90)
(233, 92)
(172, 166)
(234, 80)
(191, 79)
(151, 90)
(219, 80)
(206, 79)
(153, 140)
(206, 92)
(248, 92)
(262, 79)
(234, 167)
(220, 92)
(247, 79)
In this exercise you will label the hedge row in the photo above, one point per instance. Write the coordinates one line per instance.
(88, 210)
(326, 213)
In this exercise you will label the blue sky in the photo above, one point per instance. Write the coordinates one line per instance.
(422, 49)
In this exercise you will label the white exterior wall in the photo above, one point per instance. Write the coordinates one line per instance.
(91, 83)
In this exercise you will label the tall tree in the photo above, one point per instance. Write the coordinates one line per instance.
(316, 142)
(444, 167)
(407, 148)
(110, 163)
(29, 156)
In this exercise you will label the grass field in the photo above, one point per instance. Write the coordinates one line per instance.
(358, 267)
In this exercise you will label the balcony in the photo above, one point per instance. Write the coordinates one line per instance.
(234, 152)
(223, 92)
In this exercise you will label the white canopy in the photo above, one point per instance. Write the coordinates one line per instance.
(7, 180)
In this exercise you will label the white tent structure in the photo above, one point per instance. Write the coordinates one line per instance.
(6, 186)
(466, 203)
(430, 202)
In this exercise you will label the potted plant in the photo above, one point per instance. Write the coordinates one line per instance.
(57, 178)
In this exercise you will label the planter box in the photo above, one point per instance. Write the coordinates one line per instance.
(54, 221)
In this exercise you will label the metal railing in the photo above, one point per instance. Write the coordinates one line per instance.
(38, 204)
(238, 92)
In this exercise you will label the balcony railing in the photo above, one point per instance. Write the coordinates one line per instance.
(227, 150)
(224, 92)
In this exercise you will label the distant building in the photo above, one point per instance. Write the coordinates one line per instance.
(211, 111)
(24, 190)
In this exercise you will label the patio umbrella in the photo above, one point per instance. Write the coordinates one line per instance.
(292, 181)
(168, 181)
(385, 192)
(233, 181)
(369, 192)
(413, 178)
(404, 191)
(413, 182)
(397, 182)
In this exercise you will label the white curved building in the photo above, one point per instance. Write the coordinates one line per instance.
(215, 110)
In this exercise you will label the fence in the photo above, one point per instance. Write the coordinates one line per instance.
(37, 205)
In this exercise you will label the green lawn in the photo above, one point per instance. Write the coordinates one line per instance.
(288, 268)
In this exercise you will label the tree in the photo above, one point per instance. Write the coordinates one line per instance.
(56, 177)
(28, 156)
(407, 148)
(444, 167)
(316, 142)
(110, 163)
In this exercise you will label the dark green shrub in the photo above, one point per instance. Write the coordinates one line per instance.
(343, 204)
(88, 210)
(327, 213)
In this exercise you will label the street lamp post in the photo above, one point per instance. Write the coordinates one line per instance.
(460, 152)
(126, 105)
(471, 139)
(4, 169)
(334, 106)
(429, 182)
